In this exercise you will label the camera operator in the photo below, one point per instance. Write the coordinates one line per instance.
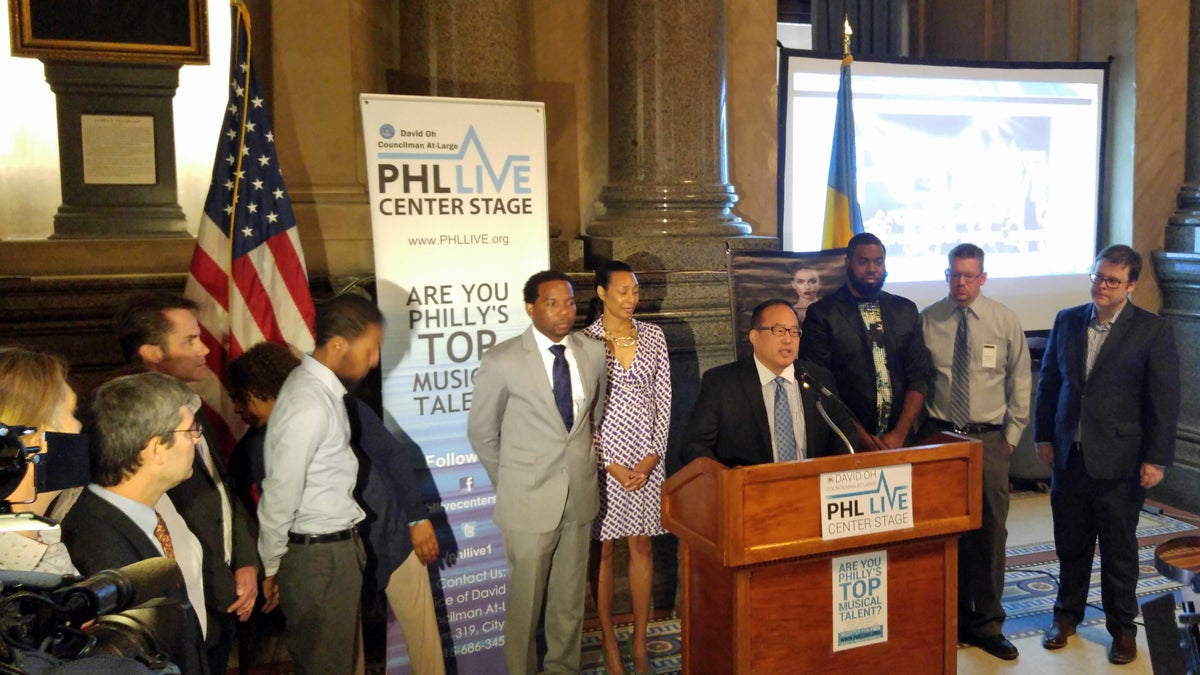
(34, 393)
(142, 442)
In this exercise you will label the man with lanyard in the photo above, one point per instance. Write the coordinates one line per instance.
(982, 390)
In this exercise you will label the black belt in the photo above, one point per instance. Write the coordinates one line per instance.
(970, 429)
(297, 538)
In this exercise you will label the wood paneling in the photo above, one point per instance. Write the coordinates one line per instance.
(996, 30)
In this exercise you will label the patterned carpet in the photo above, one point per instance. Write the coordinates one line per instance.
(663, 645)
(1030, 587)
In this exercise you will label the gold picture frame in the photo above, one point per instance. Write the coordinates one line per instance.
(147, 31)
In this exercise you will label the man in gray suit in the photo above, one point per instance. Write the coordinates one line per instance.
(537, 398)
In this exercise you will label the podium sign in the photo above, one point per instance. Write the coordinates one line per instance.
(860, 593)
(869, 500)
(766, 591)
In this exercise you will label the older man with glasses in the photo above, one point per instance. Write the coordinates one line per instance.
(142, 440)
(981, 389)
(763, 408)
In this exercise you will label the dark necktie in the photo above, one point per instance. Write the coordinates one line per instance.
(163, 536)
(960, 387)
(562, 386)
(785, 434)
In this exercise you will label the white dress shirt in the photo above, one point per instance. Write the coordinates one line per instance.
(578, 395)
(311, 469)
(188, 554)
(205, 454)
(767, 379)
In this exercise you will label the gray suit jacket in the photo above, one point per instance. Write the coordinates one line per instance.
(543, 474)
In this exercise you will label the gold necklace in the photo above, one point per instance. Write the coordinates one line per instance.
(623, 340)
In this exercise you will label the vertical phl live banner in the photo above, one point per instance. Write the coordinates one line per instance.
(460, 219)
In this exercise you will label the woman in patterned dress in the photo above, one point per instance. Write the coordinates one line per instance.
(631, 443)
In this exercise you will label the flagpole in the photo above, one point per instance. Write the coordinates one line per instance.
(243, 24)
(846, 33)
(842, 216)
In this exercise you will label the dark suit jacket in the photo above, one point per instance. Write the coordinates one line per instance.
(1126, 411)
(247, 468)
(387, 490)
(199, 503)
(836, 338)
(98, 536)
(729, 421)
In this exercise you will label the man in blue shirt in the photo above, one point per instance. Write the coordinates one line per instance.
(308, 538)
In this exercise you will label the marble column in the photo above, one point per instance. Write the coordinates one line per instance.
(464, 50)
(1177, 269)
(668, 171)
(467, 50)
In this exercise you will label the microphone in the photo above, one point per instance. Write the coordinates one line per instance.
(809, 383)
(110, 591)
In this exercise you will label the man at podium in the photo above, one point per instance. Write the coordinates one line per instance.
(763, 408)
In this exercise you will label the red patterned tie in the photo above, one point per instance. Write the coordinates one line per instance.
(164, 536)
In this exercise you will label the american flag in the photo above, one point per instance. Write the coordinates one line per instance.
(248, 273)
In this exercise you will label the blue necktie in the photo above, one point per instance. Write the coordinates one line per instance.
(785, 434)
(562, 386)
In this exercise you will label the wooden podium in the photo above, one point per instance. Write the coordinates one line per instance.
(758, 590)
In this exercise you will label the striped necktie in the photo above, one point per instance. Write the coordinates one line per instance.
(960, 375)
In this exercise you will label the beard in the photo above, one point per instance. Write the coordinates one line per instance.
(865, 289)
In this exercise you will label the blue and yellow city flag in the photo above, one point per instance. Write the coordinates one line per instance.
(843, 218)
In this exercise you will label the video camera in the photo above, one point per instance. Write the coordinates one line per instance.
(65, 464)
(42, 619)
(134, 619)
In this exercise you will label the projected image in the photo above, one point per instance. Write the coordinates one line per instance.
(931, 182)
(1005, 158)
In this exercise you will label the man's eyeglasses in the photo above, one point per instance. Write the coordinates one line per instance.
(194, 431)
(780, 330)
(955, 276)
(1107, 282)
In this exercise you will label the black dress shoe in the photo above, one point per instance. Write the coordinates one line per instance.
(996, 645)
(1123, 649)
(1056, 635)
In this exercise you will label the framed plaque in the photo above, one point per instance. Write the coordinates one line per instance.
(149, 31)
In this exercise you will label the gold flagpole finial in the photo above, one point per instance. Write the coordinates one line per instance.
(846, 33)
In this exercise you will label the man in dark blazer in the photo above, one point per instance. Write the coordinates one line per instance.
(888, 402)
(159, 332)
(400, 537)
(731, 421)
(142, 439)
(1107, 406)
(537, 398)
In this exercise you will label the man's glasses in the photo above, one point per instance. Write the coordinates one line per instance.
(1107, 282)
(780, 330)
(955, 276)
(193, 431)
